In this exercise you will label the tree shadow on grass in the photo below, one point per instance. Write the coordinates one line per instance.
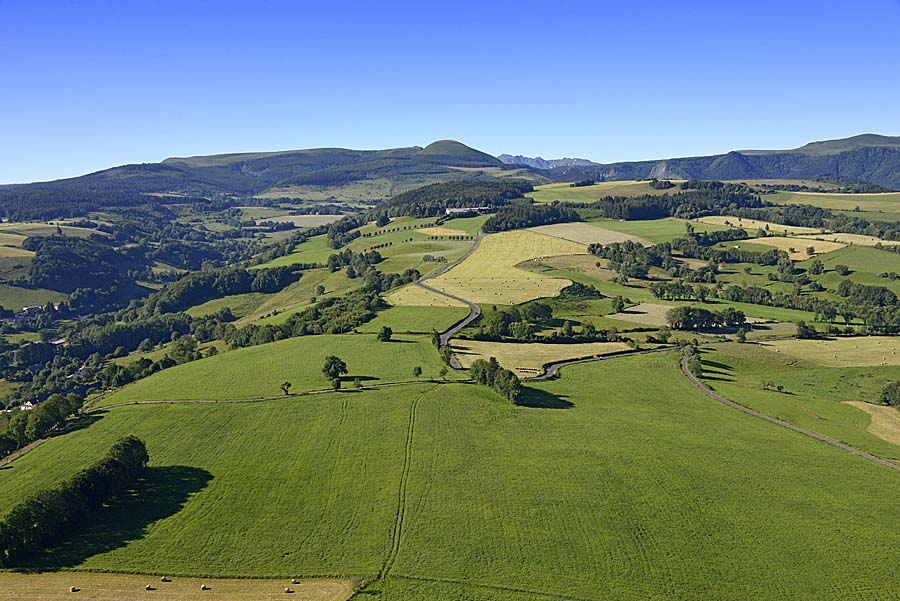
(161, 493)
(541, 399)
(718, 365)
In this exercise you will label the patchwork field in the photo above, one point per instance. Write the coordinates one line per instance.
(752, 225)
(258, 371)
(885, 421)
(54, 586)
(528, 359)
(14, 297)
(416, 296)
(586, 233)
(798, 244)
(490, 274)
(602, 487)
(841, 352)
(655, 230)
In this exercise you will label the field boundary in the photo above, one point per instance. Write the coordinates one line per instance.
(496, 587)
(780, 422)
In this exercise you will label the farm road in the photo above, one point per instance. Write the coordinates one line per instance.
(778, 422)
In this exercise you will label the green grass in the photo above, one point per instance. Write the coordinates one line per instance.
(566, 193)
(888, 202)
(314, 250)
(655, 230)
(466, 224)
(631, 488)
(259, 370)
(812, 394)
(14, 297)
(240, 304)
(415, 319)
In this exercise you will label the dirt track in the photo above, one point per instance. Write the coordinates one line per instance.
(778, 422)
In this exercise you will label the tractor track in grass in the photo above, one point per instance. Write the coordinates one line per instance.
(779, 422)
(400, 516)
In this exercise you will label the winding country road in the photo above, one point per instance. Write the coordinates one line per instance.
(778, 422)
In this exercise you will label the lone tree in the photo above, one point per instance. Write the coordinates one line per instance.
(443, 372)
(320, 290)
(385, 333)
(334, 367)
(890, 394)
(417, 372)
(618, 304)
(286, 388)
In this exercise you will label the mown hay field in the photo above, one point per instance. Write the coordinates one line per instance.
(54, 586)
(798, 244)
(490, 275)
(528, 359)
(888, 201)
(258, 371)
(586, 233)
(603, 486)
(648, 314)
(860, 239)
(442, 231)
(412, 295)
(841, 352)
(752, 225)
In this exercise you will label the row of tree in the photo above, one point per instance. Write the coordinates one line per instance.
(38, 521)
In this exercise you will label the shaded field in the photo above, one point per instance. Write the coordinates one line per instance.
(841, 352)
(528, 359)
(14, 297)
(490, 274)
(54, 586)
(586, 233)
(258, 371)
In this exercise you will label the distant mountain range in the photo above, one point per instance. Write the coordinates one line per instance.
(867, 158)
(545, 164)
(376, 174)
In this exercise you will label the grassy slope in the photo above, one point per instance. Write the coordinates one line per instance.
(13, 297)
(259, 370)
(416, 319)
(655, 230)
(812, 394)
(641, 489)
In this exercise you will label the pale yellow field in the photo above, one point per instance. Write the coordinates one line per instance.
(885, 421)
(416, 296)
(860, 239)
(7, 239)
(490, 274)
(585, 233)
(648, 314)
(441, 231)
(53, 586)
(527, 359)
(15, 251)
(841, 352)
(752, 225)
(798, 244)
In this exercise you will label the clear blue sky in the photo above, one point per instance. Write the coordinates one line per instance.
(88, 85)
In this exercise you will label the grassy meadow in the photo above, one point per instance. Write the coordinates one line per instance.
(258, 371)
(603, 486)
